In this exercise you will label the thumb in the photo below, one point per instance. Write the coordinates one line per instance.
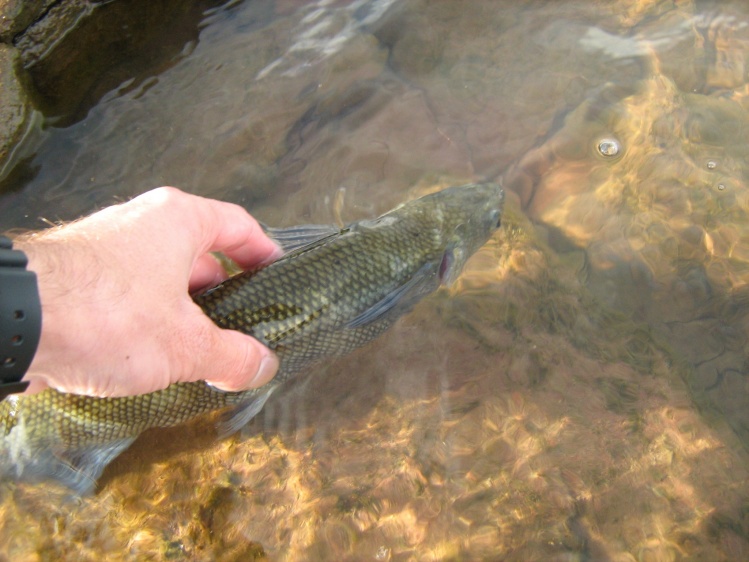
(234, 361)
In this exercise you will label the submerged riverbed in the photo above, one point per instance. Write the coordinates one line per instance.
(580, 394)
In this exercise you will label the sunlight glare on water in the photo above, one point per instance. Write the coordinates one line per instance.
(580, 393)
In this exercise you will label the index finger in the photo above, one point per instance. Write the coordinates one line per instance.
(230, 229)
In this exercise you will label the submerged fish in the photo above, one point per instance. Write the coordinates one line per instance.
(334, 290)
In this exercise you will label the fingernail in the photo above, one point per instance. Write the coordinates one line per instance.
(278, 253)
(267, 370)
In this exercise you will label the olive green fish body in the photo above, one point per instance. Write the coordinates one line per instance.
(336, 290)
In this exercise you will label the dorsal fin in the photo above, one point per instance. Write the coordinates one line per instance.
(298, 238)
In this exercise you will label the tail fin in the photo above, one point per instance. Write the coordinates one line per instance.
(78, 469)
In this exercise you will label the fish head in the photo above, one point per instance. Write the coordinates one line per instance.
(466, 217)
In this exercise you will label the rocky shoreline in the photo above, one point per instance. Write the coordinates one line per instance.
(60, 56)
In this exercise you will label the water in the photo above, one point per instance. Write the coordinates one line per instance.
(580, 395)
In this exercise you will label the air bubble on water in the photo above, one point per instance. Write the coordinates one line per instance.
(711, 164)
(609, 147)
(721, 186)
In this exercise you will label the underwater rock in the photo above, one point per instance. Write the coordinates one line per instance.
(662, 223)
(391, 116)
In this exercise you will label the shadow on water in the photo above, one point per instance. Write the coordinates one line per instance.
(22, 173)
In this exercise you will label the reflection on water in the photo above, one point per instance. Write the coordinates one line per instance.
(580, 394)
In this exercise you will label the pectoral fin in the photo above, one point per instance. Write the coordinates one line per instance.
(400, 300)
(451, 266)
(243, 412)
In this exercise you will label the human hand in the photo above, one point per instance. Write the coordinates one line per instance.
(117, 316)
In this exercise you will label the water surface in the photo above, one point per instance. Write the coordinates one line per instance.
(581, 394)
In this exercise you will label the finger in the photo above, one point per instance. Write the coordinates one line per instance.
(228, 228)
(207, 272)
(257, 250)
(233, 361)
(214, 226)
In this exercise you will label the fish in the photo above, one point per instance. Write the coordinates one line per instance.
(333, 290)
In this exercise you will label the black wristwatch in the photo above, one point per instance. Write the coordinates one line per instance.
(20, 318)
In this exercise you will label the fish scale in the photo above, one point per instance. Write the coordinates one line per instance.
(332, 292)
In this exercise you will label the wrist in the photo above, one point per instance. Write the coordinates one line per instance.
(49, 256)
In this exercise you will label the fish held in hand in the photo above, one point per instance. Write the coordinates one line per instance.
(334, 290)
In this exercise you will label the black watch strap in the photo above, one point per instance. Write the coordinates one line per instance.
(20, 318)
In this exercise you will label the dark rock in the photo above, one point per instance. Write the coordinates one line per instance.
(81, 49)
(15, 108)
(17, 15)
